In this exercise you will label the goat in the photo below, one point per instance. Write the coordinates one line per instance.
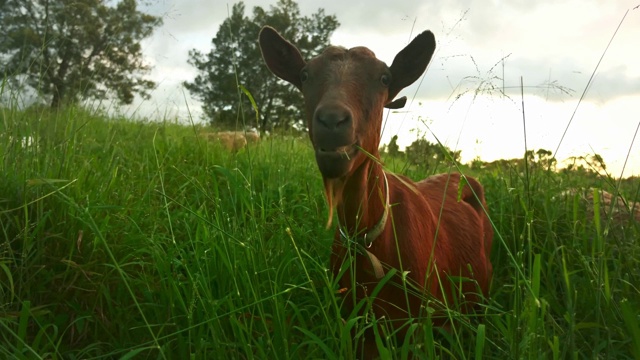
(622, 212)
(230, 140)
(252, 136)
(429, 230)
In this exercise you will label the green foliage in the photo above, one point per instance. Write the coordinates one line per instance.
(236, 60)
(123, 239)
(71, 50)
(423, 153)
(393, 149)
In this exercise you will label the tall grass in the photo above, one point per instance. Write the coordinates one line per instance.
(124, 235)
(130, 239)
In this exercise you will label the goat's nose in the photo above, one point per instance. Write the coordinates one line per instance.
(333, 117)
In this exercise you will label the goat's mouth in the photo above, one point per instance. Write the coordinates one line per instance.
(347, 151)
(337, 161)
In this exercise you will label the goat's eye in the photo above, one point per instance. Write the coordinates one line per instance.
(304, 75)
(385, 79)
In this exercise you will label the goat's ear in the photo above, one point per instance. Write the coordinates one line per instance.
(397, 103)
(281, 57)
(411, 62)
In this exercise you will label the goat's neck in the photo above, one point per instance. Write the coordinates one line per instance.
(363, 200)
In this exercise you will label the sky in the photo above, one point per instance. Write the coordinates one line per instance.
(505, 75)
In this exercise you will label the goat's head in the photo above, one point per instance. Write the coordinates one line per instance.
(345, 91)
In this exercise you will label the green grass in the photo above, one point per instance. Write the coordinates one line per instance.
(125, 239)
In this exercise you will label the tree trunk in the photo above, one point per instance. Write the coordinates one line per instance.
(265, 115)
(58, 94)
(59, 87)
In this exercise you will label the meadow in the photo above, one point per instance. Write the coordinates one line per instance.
(138, 240)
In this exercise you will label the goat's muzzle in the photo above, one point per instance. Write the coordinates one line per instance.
(334, 139)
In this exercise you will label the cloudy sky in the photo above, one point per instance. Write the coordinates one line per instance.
(551, 47)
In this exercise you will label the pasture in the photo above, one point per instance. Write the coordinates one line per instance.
(132, 239)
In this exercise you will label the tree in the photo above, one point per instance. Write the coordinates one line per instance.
(423, 152)
(393, 149)
(68, 50)
(236, 59)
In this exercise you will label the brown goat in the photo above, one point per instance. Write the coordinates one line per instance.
(430, 230)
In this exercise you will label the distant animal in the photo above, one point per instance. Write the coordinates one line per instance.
(232, 140)
(435, 231)
(621, 211)
(252, 136)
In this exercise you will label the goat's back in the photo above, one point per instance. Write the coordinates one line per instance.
(464, 226)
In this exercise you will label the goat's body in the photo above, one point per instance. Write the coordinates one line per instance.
(431, 235)
(623, 213)
(232, 140)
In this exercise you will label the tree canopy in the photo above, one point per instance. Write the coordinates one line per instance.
(235, 59)
(424, 152)
(68, 50)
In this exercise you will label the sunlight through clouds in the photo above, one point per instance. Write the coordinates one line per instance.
(493, 129)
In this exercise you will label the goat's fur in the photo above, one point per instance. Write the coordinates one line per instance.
(621, 211)
(436, 228)
(252, 136)
(232, 140)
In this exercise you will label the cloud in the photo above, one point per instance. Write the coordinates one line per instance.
(548, 43)
(553, 47)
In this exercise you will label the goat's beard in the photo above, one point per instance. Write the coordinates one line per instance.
(333, 189)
